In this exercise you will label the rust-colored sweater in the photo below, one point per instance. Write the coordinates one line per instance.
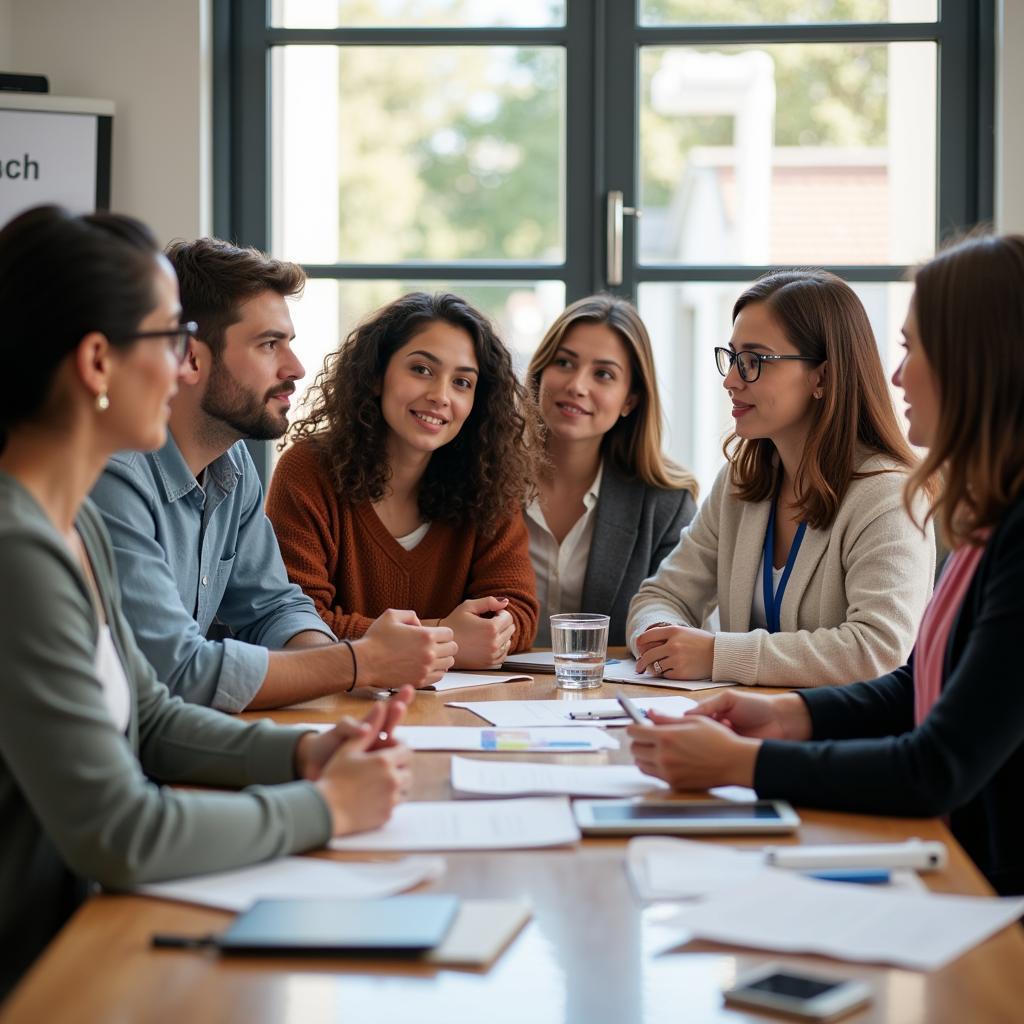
(354, 570)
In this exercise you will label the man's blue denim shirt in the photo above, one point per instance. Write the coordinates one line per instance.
(187, 554)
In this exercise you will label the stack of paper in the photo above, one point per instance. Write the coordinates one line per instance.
(530, 713)
(792, 914)
(513, 778)
(299, 878)
(471, 825)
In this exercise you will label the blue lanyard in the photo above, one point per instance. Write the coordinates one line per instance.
(773, 601)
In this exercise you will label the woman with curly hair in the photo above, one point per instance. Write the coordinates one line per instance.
(404, 485)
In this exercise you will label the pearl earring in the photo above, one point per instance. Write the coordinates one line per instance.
(818, 393)
(102, 402)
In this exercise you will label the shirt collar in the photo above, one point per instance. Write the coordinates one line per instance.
(533, 510)
(177, 478)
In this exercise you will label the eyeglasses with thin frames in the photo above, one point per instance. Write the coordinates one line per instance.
(748, 364)
(177, 338)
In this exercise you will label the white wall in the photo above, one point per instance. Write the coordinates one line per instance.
(152, 58)
(1009, 117)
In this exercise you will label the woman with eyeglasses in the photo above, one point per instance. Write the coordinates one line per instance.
(804, 545)
(611, 504)
(93, 347)
(943, 734)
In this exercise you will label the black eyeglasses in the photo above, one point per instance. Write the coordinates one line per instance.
(177, 338)
(748, 364)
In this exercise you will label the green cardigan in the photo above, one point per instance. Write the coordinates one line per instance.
(81, 802)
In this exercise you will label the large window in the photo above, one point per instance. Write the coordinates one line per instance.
(525, 154)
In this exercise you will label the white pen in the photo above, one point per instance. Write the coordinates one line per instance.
(914, 853)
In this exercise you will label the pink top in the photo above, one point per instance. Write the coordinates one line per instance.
(933, 636)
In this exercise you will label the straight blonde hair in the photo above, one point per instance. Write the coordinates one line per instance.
(969, 304)
(634, 443)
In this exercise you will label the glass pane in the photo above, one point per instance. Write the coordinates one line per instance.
(687, 320)
(768, 12)
(328, 310)
(384, 154)
(416, 13)
(788, 154)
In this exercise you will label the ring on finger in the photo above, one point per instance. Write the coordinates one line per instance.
(656, 665)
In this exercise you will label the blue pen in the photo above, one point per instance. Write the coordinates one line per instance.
(859, 876)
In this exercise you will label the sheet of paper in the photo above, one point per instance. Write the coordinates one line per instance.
(505, 741)
(789, 913)
(297, 878)
(623, 670)
(551, 740)
(463, 680)
(471, 825)
(738, 794)
(517, 778)
(523, 714)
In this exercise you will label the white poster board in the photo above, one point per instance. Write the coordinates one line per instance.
(53, 150)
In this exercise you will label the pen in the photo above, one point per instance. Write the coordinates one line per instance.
(563, 744)
(596, 716)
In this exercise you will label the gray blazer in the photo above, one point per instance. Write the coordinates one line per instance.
(636, 527)
(81, 802)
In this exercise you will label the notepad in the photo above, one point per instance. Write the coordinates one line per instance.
(516, 714)
(298, 877)
(481, 931)
(512, 778)
(470, 825)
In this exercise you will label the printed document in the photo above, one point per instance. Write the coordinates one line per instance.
(789, 913)
(517, 778)
(470, 825)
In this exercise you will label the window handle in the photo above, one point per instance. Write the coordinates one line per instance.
(615, 212)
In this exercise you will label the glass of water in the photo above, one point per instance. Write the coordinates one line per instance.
(579, 641)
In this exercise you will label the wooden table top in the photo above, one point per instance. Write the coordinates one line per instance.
(591, 952)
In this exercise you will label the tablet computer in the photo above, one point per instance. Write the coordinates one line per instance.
(400, 925)
(683, 817)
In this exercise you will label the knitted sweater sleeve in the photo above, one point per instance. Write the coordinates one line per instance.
(306, 514)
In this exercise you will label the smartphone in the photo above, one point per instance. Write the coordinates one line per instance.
(632, 710)
(806, 996)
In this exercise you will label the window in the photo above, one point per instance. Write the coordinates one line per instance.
(477, 145)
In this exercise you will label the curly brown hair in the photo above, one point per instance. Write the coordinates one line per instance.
(484, 475)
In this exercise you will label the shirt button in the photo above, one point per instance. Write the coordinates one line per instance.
(206, 580)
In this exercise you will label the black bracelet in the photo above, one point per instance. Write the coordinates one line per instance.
(355, 667)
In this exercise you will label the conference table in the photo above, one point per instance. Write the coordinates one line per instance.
(591, 953)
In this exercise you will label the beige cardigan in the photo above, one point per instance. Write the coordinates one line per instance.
(852, 605)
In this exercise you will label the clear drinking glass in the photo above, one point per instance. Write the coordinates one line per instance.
(579, 641)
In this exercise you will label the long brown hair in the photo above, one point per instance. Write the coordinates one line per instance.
(969, 303)
(634, 443)
(823, 318)
(483, 475)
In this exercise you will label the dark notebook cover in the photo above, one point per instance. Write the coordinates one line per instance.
(401, 924)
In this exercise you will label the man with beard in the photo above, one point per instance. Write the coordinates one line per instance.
(192, 543)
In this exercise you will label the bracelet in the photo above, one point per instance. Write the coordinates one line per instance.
(355, 665)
